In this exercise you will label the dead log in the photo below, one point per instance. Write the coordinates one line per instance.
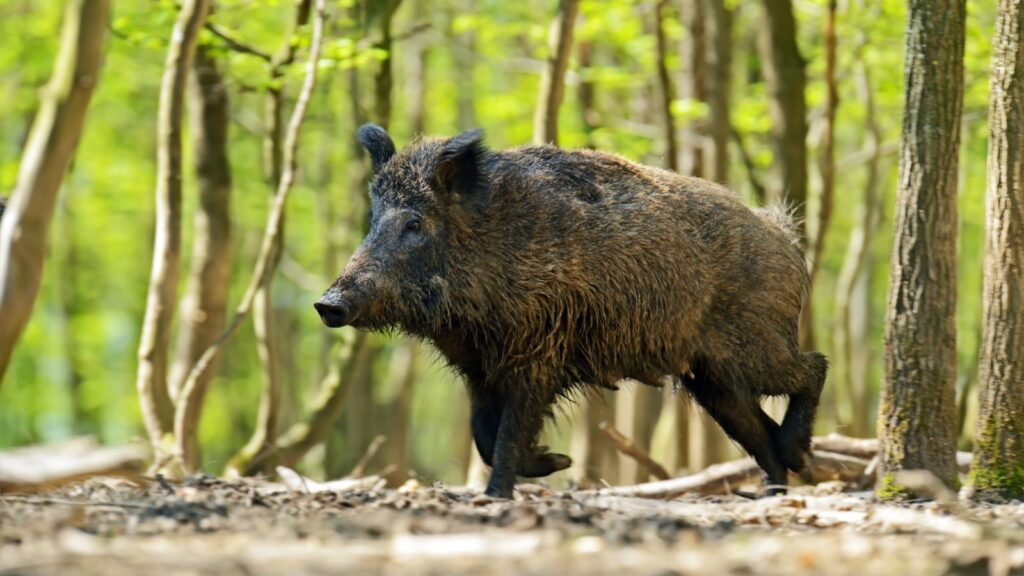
(41, 468)
(867, 448)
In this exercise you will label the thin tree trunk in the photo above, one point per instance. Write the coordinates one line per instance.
(827, 161)
(52, 141)
(264, 323)
(917, 415)
(666, 89)
(719, 85)
(998, 467)
(383, 80)
(848, 343)
(402, 376)
(189, 407)
(464, 58)
(205, 304)
(552, 82)
(70, 308)
(783, 68)
(157, 410)
(585, 94)
(694, 85)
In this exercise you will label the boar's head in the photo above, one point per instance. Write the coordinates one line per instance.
(421, 201)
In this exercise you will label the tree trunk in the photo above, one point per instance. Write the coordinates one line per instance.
(827, 161)
(719, 85)
(917, 415)
(783, 68)
(852, 290)
(694, 85)
(264, 321)
(552, 82)
(585, 94)
(464, 58)
(998, 467)
(204, 307)
(384, 78)
(157, 411)
(189, 408)
(402, 376)
(52, 141)
(666, 89)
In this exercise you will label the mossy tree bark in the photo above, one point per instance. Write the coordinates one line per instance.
(917, 415)
(998, 467)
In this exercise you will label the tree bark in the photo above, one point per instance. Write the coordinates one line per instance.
(52, 141)
(694, 85)
(917, 415)
(585, 94)
(384, 78)
(998, 468)
(464, 58)
(552, 82)
(852, 292)
(264, 321)
(205, 304)
(666, 89)
(719, 85)
(827, 161)
(151, 381)
(783, 68)
(186, 418)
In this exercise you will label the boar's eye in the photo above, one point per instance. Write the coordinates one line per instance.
(414, 225)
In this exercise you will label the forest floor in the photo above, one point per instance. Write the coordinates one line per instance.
(210, 526)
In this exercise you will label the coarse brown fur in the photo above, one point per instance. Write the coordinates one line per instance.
(537, 271)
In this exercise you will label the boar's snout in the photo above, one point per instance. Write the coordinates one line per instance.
(333, 309)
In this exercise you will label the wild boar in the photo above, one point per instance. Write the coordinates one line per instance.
(539, 272)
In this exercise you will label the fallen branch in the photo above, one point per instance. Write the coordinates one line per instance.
(41, 468)
(715, 479)
(295, 481)
(627, 447)
(726, 477)
(371, 451)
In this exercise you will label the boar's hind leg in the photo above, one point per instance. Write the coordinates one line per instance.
(793, 438)
(742, 419)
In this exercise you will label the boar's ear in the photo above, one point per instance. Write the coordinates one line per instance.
(377, 142)
(459, 169)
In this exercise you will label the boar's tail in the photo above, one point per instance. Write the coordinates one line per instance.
(783, 217)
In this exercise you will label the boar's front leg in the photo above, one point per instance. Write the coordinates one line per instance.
(485, 417)
(521, 421)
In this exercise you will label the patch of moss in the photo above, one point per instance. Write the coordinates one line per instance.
(993, 478)
(888, 489)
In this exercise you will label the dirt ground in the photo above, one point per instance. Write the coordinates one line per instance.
(209, 526)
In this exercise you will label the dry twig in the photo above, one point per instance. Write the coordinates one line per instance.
(627, 447)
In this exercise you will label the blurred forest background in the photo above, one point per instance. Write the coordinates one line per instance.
(684, 84)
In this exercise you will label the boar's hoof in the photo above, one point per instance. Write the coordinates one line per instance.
(540, 465)
(775, 490)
